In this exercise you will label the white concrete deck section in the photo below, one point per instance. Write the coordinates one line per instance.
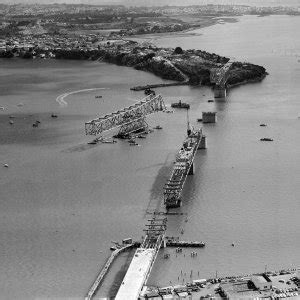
(136, 274)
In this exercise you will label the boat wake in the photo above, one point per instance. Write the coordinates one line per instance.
(61, 98)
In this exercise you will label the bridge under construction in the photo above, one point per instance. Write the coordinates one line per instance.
(184, 165)
(129, 119)
(143, 260)
(219, 78)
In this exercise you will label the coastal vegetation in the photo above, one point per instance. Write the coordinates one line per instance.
(193, 67)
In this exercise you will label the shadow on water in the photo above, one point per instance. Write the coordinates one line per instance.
(156, 191)
(79, 148)
(117, 280)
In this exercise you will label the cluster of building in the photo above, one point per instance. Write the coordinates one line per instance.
(36, 9)
(277, 285)
(227, 9)
(44, 45)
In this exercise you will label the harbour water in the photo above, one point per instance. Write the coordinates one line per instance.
(63, 202)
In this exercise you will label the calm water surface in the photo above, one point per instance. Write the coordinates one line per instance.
(63, 202)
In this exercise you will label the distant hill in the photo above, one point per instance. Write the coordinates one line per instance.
(165, 2)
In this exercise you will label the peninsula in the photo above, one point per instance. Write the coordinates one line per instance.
(192, 67)
(183, 67)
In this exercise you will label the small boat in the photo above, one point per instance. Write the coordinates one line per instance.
(11, 122)
(263, 125)
(140, 136)
(266, 139)
(109, 141)
(134, 144)
(5, 165)
(180, 105)
(210, 100)
(157, 127)
(99, 96)
(166, 255)
(93, 142)
(53, 116)
(113, 248)
(131, 141)
(20, 104)
(199, 120)
(232, 244)
(1, 108)
(11, 117)
(36, 124)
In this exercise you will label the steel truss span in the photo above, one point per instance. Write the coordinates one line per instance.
(220, 76)
(127, 115)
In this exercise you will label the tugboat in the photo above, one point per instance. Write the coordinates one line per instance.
(180, 105)
(266, 140)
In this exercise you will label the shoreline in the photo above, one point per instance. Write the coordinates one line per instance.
(186, 32)
(256, 80)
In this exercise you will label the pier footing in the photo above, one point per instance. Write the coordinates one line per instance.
(203, 143)
(192, 169)
(219, 92)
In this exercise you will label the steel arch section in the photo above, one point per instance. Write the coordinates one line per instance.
(146, 106)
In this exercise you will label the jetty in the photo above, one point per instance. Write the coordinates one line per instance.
(175, 242)
(158, 85)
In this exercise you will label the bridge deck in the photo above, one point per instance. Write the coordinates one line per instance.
(184, 162)
(136, 274)
(143, 260)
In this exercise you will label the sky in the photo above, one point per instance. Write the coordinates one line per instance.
(165, 2)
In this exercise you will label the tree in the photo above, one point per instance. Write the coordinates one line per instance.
(178, 50)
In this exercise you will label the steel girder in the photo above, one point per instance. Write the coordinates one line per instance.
(220, 76)
(148, 105)
(133, 126)
(154, 234)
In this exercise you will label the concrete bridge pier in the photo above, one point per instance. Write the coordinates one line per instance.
(203, 144)
(219, 92)
(192, 169)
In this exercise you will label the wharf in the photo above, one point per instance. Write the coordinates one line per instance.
(175, 242)
(151, 86)
(185, 244)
